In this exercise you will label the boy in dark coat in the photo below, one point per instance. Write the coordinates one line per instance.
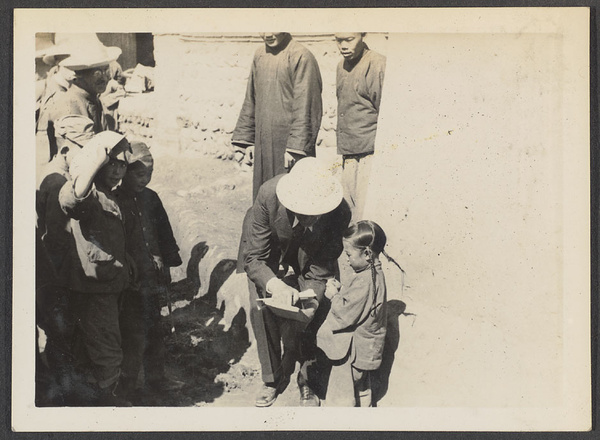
(151, 244)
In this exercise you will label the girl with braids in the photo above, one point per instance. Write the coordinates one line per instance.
(353, 333)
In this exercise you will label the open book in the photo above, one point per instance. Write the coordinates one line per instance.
(288, 311)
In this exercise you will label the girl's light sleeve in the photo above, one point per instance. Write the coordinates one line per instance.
(350, 305)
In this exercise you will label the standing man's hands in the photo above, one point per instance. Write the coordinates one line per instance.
(290, 159)
(249, 156)
(244, 156)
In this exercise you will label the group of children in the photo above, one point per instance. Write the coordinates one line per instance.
(104, 248)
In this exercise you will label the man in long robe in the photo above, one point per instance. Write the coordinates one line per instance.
(282, 110)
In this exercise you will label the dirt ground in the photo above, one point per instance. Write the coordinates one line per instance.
(211, 348)
(206, 199)
(206, 196)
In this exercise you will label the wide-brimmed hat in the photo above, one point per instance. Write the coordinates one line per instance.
(85, 51)
(309, 188)
(59, 50)
(44, 45)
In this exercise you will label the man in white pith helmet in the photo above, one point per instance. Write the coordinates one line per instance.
(297, 222)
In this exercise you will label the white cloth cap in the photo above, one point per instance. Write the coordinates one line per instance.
(85, 51)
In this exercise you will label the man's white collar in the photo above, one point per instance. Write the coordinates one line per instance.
(296, 221)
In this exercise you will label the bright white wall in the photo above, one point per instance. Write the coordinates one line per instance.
(468, 183)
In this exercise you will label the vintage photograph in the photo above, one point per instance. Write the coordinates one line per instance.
(187, 323)
(373, 209)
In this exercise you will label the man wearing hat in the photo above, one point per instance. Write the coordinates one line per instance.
(56, 81)
(297, 221)
(89, 59)
(50, 79)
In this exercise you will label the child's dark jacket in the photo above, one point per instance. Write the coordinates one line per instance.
(149, 234)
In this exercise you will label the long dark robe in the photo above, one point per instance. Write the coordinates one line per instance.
(282, 109)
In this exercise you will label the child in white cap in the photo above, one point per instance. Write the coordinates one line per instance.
(102, 271)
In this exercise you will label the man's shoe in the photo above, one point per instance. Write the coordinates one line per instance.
(166, 384)
(266, 396)
(308, 397)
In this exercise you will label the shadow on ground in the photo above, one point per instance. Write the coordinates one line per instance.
(207, 358)
(200, 353)
(381, 377)
(187, 288)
